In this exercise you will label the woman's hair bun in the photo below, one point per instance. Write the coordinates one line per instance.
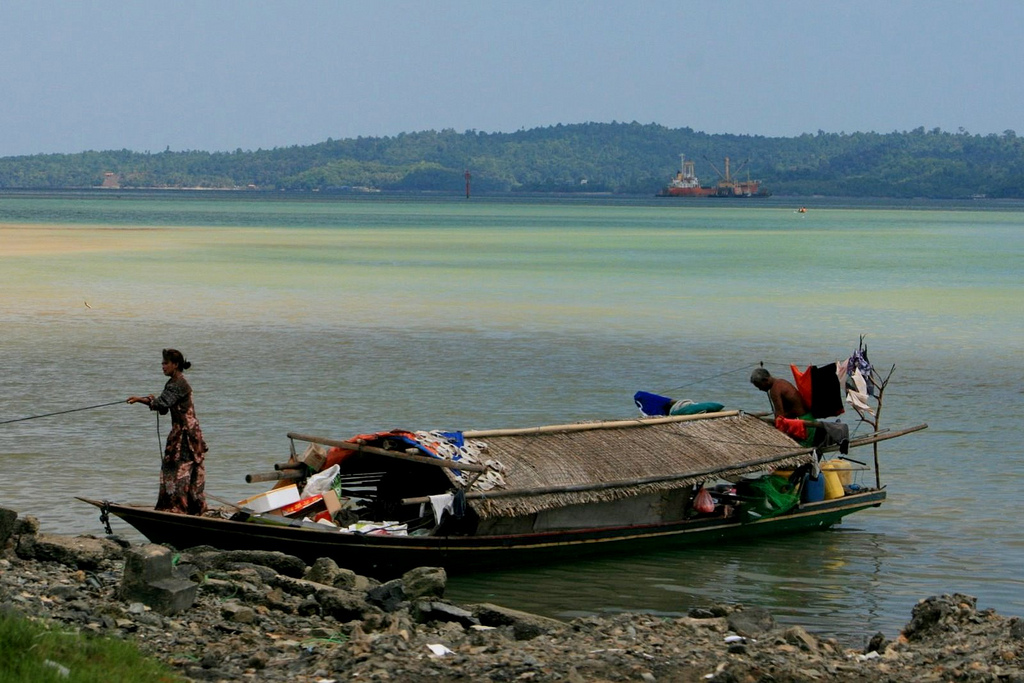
(177, 357)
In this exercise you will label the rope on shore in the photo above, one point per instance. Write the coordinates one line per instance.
(61, 412)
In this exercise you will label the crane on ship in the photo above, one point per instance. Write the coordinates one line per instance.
(727, 186)
(726, 178)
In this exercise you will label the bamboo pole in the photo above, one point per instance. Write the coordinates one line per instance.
(658, 479)
(879, 436)
(350, 446)
(587, 426)
(268, 518)
(273, 476)
(230, 504)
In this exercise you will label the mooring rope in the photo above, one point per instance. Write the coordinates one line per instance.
(61, 412)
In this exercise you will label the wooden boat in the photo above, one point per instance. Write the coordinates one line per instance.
(529, 495)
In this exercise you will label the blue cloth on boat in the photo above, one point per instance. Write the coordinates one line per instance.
(652, 404)
(454, 438)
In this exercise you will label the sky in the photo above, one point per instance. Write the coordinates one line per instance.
(222, 75)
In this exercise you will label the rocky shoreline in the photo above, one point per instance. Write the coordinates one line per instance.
(256, 615)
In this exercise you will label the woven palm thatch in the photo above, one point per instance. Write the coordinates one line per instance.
(605, 462)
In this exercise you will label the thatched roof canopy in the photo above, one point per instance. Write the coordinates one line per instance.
(594, 462)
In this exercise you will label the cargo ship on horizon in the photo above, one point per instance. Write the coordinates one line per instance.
(686, 184)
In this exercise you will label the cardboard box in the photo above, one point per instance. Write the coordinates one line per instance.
(272, 499)
(304, 508)
(332, 502)
(314, 457)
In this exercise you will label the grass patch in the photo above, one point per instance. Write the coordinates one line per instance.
(35, 651)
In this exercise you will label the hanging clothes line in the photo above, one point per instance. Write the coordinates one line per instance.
(748, 366)
(61, 412)
(705, 379)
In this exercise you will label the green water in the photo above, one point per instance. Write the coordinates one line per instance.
(337, 316)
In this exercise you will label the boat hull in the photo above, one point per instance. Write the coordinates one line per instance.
(727, 192)
(686, 192)
(386, 557)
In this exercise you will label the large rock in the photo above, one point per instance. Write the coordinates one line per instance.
(256, 573)
(7, 519)
(344, 605)
(525, 626)
(939, 614)
(26, 525)
(424, 582)
(751, 622)
(149, 579)
(426, 611)
(389, 596)
(1017, 628)
(82, 552)
(301, 587)
(327, 572)
(878, 643)
(798, 635)
(289, 565)
(234, 611)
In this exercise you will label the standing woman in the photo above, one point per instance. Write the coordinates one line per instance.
(182, 475)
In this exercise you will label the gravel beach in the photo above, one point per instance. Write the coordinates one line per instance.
(254, 615)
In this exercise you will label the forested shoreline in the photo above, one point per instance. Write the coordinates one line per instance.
(616, 158)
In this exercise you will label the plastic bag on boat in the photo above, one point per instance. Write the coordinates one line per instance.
(320, 482)
(703, 502)
(769, 496)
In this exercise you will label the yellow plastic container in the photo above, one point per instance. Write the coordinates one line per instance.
(843, 469)
(838, 473)
(833, 486)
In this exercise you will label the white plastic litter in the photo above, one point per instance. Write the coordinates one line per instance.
(62, 670)
(320, 482)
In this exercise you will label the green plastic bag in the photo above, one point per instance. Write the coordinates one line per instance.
(768, 496)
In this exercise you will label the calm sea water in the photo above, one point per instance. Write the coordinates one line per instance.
(337, 316)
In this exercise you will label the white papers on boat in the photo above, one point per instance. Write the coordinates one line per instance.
(378, 528)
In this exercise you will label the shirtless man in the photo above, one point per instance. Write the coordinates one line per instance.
(786, 400)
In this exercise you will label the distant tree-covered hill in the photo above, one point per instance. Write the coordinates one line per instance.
(628, 158)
